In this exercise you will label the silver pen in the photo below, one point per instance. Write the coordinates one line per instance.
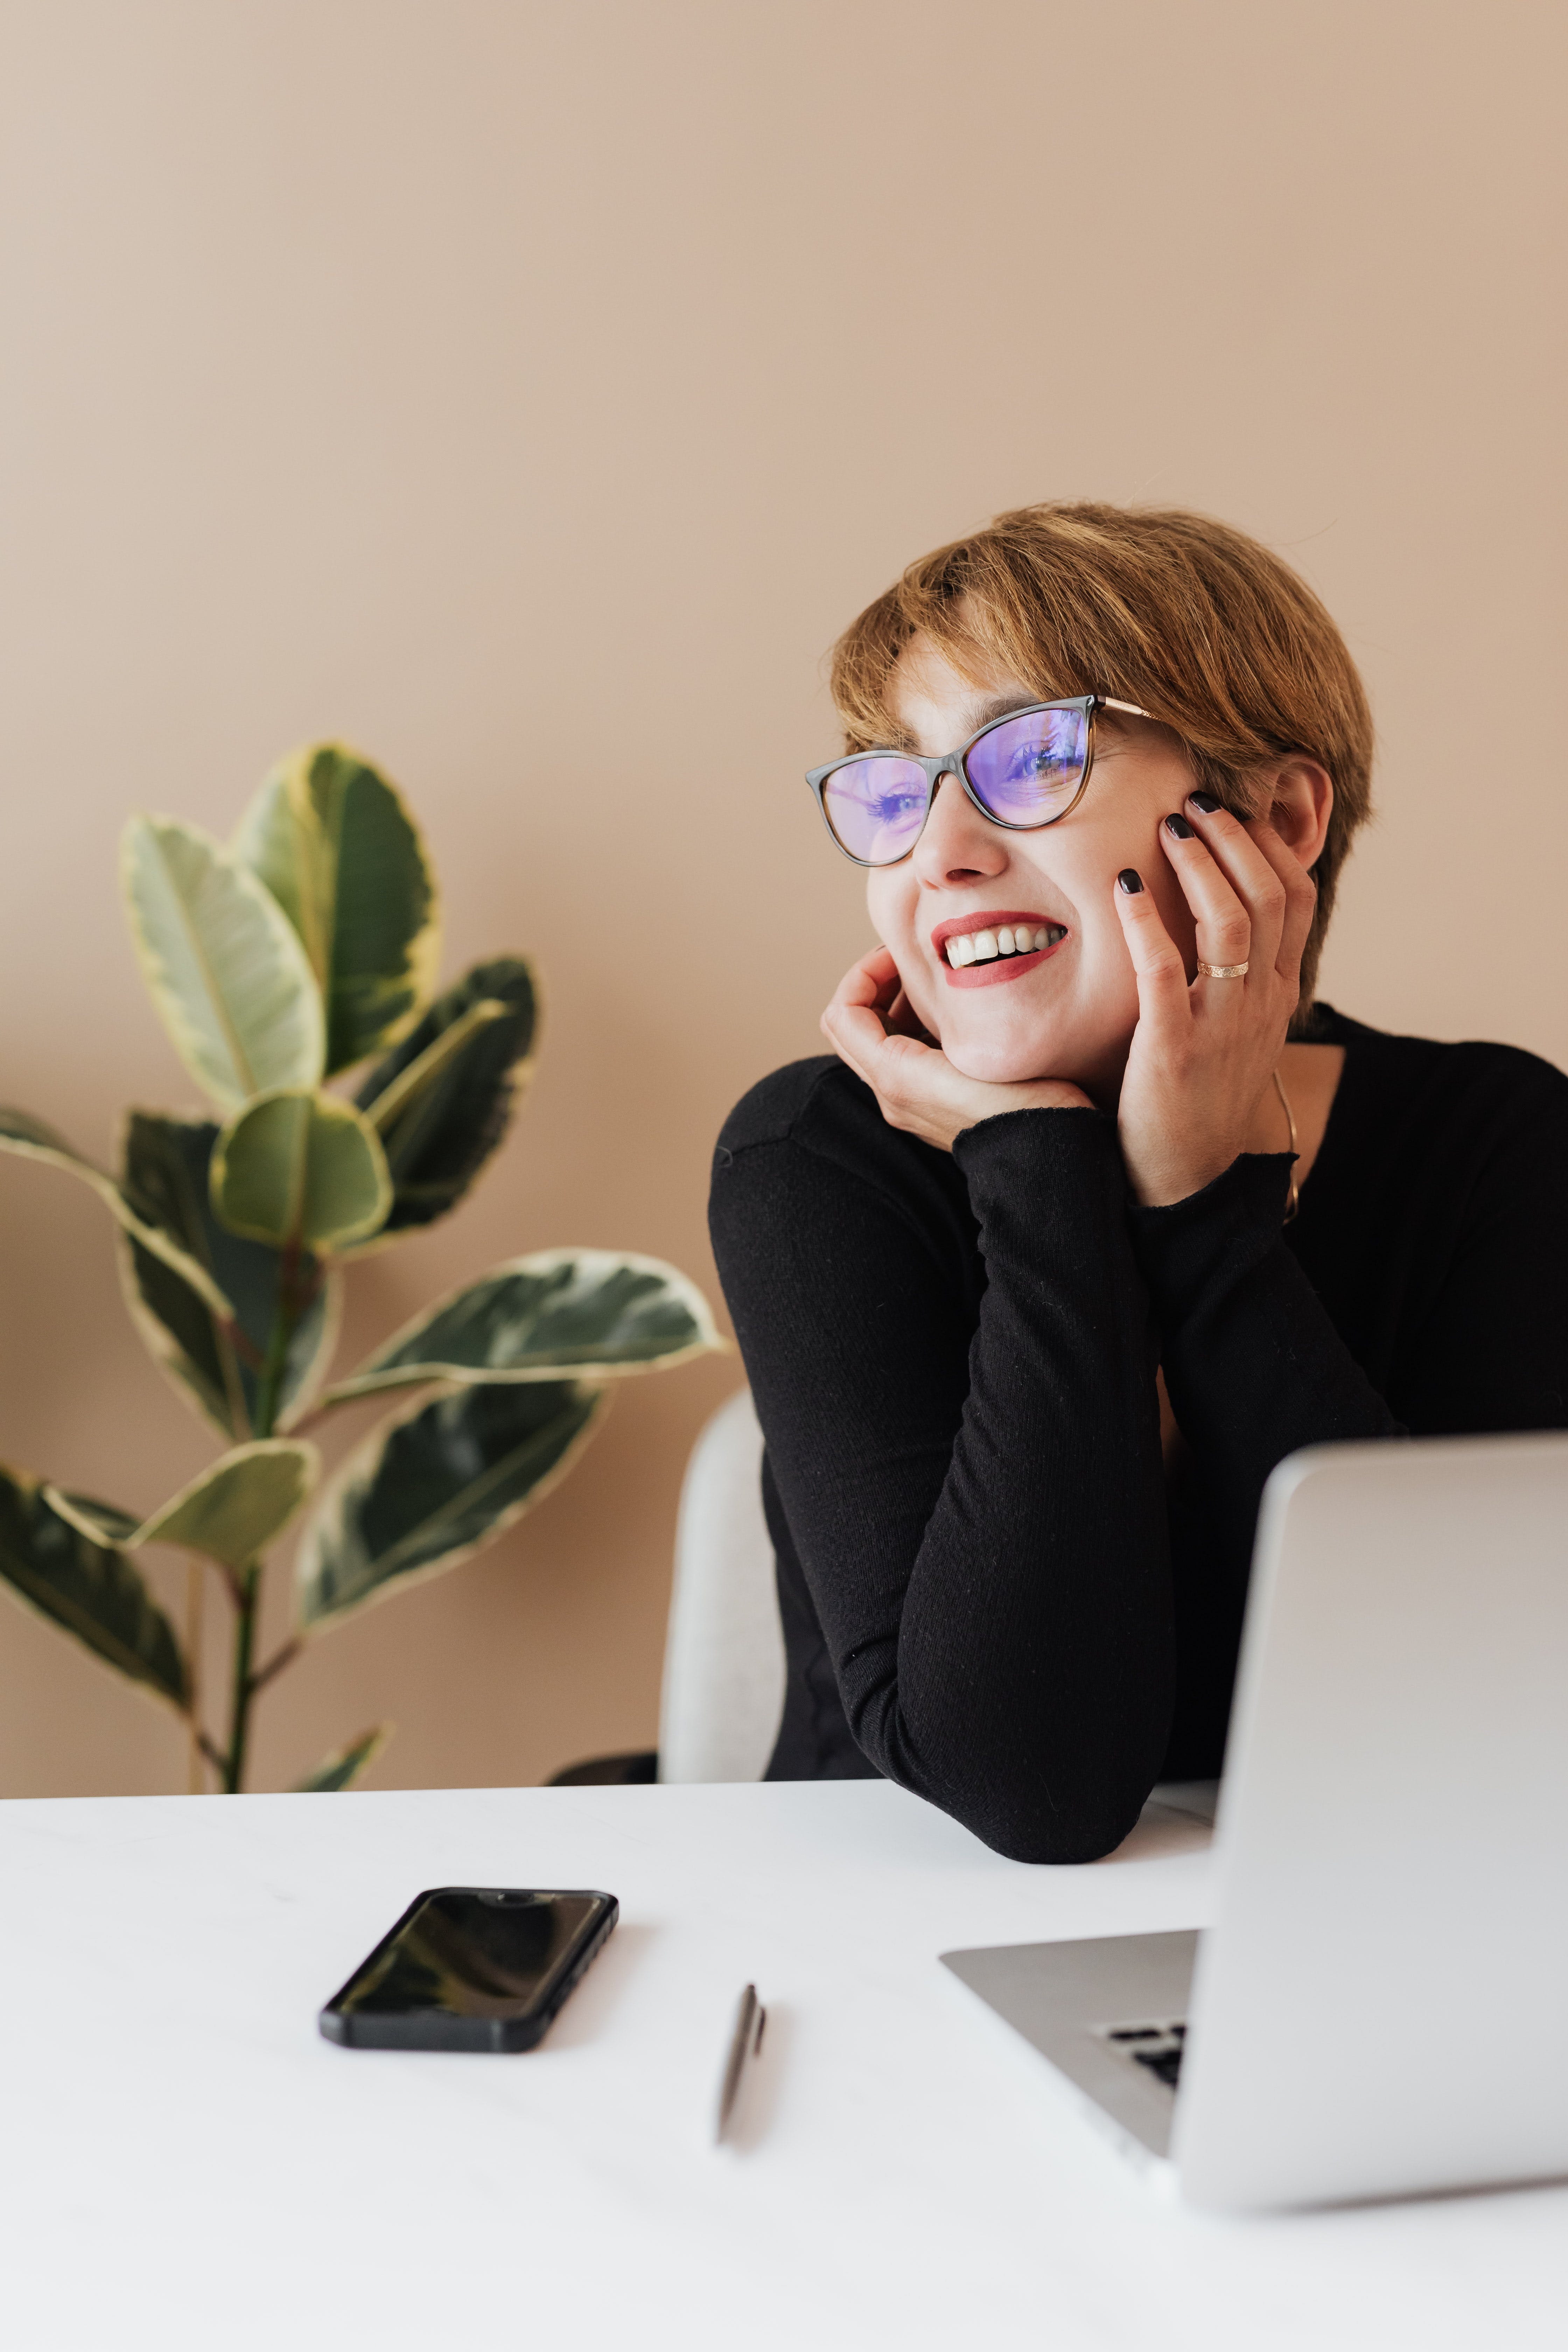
(744, 2044)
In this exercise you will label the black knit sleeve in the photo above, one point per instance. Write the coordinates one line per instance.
(1253, 1365)
(981, 1526)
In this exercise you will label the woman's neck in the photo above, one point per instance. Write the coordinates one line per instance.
(1311, 1077)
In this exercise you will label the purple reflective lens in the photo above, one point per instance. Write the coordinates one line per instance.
(876, 806)
(1025, 770)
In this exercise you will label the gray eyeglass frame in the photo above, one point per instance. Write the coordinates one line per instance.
(952, 764)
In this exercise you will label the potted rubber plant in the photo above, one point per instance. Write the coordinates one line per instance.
(353, 1102)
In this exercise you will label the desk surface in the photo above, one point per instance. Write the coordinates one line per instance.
(186, 2163)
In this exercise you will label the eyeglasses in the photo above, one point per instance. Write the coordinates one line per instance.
(1026, 769)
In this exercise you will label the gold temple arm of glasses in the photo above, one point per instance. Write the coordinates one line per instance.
(1133, 710)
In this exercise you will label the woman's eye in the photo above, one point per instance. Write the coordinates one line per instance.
(1028, 765)
(894, 807)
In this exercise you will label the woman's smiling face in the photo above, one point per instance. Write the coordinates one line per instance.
(1066, 1008)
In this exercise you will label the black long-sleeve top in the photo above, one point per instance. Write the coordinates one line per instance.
(992, 1591)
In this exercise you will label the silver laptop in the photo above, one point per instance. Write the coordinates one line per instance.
(1381, 2006)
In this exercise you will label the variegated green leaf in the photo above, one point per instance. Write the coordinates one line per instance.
(294, 1166)
(225, 967)
(343, 1767)
(29, 1139)
(103, 1523)
(427, 1489)
(236, 1506)
(88, 1588)
(335, 844)
(441, 1102)
(214, 1361)
(597, 1315)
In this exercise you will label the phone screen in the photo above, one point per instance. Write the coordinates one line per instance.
(471, 1968)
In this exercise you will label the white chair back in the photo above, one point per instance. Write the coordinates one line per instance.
(724, 1655)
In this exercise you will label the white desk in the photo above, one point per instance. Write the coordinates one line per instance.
(186, 2163)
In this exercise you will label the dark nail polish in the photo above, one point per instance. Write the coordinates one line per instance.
(1130, 882)
(1204, 803)
(1177, 823)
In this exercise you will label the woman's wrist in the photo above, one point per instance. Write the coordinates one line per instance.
(1162, 1179)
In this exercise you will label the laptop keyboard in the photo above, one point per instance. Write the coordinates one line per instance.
(1154, 2045)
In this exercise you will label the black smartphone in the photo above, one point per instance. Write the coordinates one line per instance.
(471, 1968)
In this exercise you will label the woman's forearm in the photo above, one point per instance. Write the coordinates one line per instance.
(977, 1505)
(1047, 1544)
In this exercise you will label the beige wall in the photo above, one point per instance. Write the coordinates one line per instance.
(529, 394)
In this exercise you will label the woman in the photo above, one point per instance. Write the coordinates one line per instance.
(1094, 1216)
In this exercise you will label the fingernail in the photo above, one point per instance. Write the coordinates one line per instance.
(1177, 823)
(1204, 803)
(1130, 881)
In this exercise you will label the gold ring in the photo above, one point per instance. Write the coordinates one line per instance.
(1222, 970)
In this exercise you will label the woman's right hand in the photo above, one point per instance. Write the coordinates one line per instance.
(1204, 1049)
(870, 1026)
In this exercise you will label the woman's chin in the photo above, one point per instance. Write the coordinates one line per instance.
(998, 1065)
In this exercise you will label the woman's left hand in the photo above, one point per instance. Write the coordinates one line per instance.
(869, 1026)
(1204, 1050)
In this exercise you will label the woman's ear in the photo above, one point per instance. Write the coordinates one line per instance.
(1302, 804)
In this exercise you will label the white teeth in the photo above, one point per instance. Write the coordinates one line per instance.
(1010, 938)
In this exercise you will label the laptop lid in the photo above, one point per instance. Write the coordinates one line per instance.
(1380, 2006)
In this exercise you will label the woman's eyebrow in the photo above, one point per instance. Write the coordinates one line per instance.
(995, 705)
(998, 707)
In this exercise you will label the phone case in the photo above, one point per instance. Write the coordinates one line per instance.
(434, 2029)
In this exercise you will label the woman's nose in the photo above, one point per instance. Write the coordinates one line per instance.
(957, 845)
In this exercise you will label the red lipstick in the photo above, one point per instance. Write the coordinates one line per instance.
(998, 964)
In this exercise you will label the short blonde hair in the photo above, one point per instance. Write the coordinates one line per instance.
(1204, 627)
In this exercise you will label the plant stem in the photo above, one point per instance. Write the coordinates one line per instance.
(275, 1666)
(239, 1707)
(293, 1298)
(286, 1314)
